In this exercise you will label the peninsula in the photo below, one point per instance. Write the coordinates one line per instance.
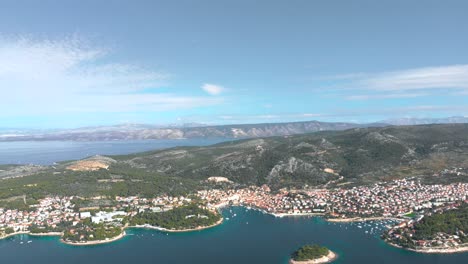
(442, 231)
(55, 216)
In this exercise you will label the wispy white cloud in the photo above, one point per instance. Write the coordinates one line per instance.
(213, 89)
(426, 78)
(268, 117)
(384, 96)
(39, 76)
(446, 77)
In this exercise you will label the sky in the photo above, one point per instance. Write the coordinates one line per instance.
(66, 64)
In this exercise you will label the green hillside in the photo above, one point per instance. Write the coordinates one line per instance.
(351, 157)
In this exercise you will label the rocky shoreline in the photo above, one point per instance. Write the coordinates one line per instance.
(220, 221)
(47, 234)
(123, 234)
(14, 234)
(361, 219)
(458, 249)
(110, 240)
(97, 242)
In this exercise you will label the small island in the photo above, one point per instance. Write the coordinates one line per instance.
(312, 254)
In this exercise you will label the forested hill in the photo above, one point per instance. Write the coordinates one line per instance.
(360, 155)
(323, 159)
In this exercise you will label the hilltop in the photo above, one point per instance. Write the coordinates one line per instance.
(359, 156)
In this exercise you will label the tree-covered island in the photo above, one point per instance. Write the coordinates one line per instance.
(312, 254)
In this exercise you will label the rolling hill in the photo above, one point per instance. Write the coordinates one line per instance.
(324, 159)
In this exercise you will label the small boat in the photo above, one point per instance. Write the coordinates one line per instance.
(30, 241)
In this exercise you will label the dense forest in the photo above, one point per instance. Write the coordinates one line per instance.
(452, 222)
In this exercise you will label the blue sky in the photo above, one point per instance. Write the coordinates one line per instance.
(85, 63)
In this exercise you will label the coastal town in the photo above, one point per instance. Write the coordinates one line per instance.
(407, 200)
(392, 199)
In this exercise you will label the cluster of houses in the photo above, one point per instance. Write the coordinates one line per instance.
(389, 199)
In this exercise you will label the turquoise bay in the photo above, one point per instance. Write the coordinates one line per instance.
(248, 237)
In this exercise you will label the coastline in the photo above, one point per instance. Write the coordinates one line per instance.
(15, 234)
(458, 249)
(361, 219)
(123, 234)
(96, 242)
(293, 215)
(110, 240)
(337, 220)
(47, 234)
(332, 256)
(220, 221)
(31, 234)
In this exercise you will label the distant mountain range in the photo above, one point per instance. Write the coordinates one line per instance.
(426, 121)
(196, 130)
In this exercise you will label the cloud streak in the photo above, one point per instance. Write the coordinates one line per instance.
(44, 76)
(444, 77)
(385, 96)
(409, 83)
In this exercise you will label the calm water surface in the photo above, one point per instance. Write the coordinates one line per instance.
(250, 237)
(48, 152)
